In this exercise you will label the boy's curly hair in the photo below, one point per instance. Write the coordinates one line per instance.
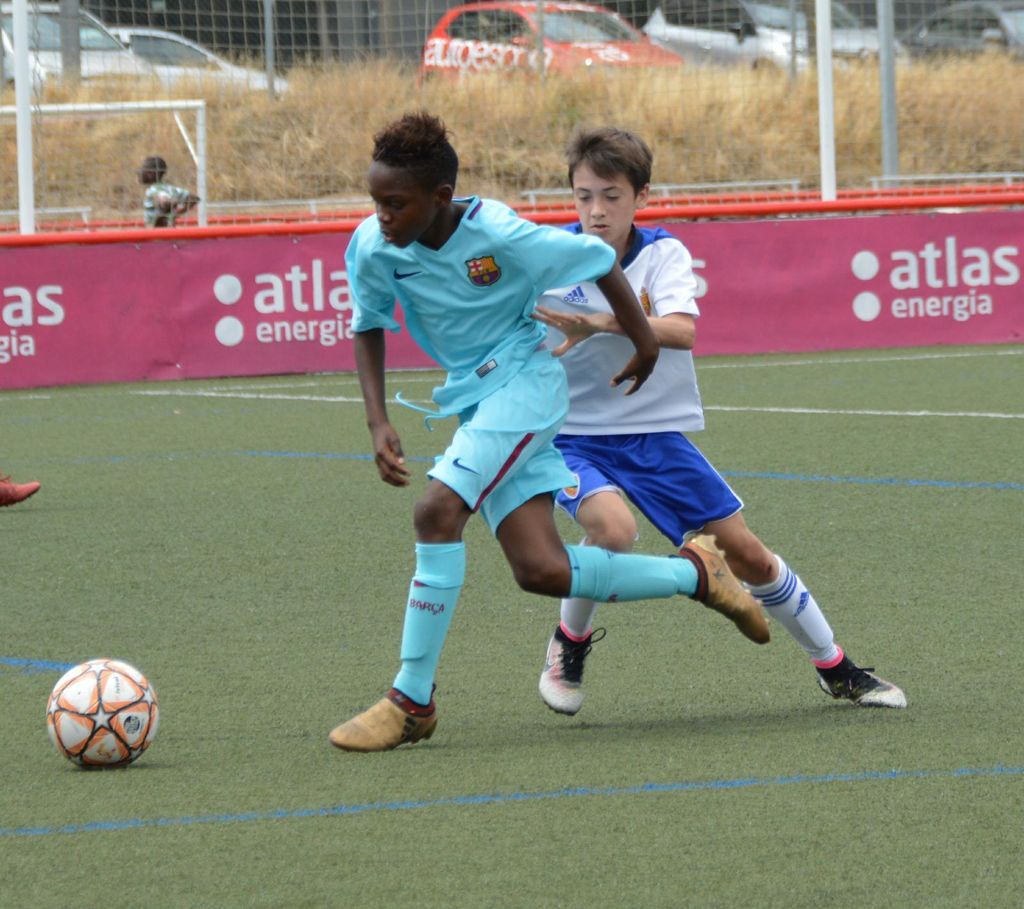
(418, 142)
(608, 152)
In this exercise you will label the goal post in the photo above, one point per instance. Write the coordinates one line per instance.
(196, 145)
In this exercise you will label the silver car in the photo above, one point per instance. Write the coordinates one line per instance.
(972, 27)
(176, 59)
(102, 55)
(752, 32)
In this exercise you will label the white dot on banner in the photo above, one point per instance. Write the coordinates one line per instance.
(864, 265)
(229, 331)
(227, 289)
(866, 306)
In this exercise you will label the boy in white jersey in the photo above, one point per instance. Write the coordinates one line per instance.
(635, 446)
(468, 273)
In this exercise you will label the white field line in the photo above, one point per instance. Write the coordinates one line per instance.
(250, 396)
(869, 413)
(828, 361)
(335, 399)
(410, 377)
(340, 379)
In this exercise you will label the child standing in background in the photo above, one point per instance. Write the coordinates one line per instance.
(163, 202)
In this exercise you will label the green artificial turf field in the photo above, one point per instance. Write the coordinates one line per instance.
(232, 540)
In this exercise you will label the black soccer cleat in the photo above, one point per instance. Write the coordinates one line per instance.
(561, 680)
(849, 681)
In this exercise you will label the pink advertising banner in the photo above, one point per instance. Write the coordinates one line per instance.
(266, 305)
(858, 282)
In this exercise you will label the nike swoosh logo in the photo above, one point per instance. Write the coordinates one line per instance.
(401, 276)
(462, 466)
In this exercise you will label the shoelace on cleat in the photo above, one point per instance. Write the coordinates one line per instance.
(859, 679)
(575, 653)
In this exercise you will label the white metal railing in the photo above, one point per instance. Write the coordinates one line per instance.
(83, 212)
(313, 206)
(1008, 179)
(673, 189)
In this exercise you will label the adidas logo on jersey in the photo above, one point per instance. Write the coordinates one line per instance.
(575, 296)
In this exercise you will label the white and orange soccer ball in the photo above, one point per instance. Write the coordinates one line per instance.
(102, 713)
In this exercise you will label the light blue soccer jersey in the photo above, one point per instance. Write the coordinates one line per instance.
(468, 304)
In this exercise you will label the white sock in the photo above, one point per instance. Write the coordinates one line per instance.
(790, 603)
(577, 617)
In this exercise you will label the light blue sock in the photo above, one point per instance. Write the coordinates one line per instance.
(433, 593)
(613, 576)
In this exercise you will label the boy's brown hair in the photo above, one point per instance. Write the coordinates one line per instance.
(608, 152)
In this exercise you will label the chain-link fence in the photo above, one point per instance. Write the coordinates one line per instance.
(724, 90)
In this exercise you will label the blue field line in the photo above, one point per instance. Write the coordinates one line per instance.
(743, 474)
(349, 456)
(316, 455)
(507, 797)
(869, 481)
(34, 665)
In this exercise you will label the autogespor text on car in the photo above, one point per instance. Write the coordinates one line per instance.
(560, 37)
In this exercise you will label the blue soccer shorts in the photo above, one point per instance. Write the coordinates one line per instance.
(662, 473)
(502, 454)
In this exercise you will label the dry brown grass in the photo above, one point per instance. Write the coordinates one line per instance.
(704, 125)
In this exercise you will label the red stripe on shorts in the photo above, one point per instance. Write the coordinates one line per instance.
(505, 468)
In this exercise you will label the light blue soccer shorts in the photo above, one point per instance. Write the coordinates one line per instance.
(662, 473)
(502, 454)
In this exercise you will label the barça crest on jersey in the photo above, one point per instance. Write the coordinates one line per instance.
(483, 271)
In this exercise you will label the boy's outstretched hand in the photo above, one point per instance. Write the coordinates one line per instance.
(388, 455)
(633, 322)
(578, 326)
(639, 369)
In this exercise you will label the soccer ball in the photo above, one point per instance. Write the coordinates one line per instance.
(102, 713)
(163, 202)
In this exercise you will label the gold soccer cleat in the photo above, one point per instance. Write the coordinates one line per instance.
(718, 589)
(394, 720)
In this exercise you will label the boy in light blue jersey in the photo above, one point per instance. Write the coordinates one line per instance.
(467, 273)
(635, 447)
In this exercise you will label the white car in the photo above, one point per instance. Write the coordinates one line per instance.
(176, 59)
(102, 55)
(752, 32)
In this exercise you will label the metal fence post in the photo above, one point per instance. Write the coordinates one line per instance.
(70, 42)
(268, 44)
(887, 77)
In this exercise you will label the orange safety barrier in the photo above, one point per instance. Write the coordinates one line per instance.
(682, 208)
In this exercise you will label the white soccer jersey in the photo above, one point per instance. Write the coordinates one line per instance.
(660, 270)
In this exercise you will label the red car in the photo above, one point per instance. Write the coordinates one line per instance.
(560, 36)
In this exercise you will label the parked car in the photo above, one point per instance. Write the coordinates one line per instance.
(751, 32)
(488, 36)
(970, 27)
(177, 60)
(102, 55)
